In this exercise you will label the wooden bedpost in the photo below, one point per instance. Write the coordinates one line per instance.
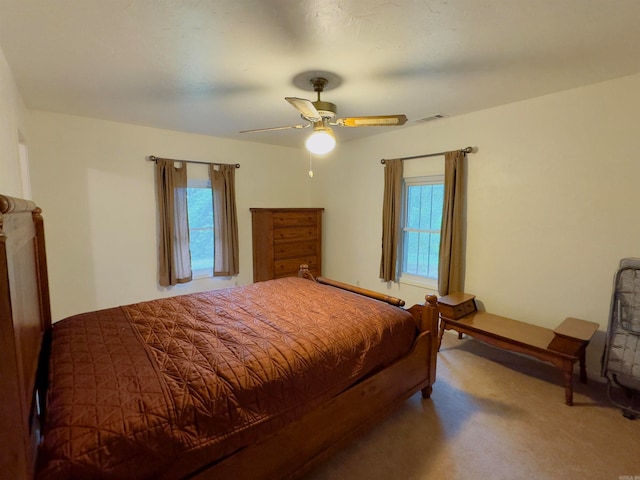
(304, 272)
(426, 315)
(431, 319)
(41, 266)
(427, 319)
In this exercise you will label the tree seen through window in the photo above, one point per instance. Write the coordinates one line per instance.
(200, 211)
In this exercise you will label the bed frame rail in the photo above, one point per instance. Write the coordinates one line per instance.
(304, 272)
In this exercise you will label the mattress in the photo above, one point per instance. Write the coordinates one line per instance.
(160, 389)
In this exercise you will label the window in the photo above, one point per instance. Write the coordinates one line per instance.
(200, 212)
(422, 221)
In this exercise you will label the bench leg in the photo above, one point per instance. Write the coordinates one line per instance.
(426, 391)
(567, 369)
(443, 327)
(441, 333)
(583, 365)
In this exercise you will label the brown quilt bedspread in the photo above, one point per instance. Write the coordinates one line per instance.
(160, 389)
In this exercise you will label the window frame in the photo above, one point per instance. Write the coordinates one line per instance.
(408, 278)
(201, 272)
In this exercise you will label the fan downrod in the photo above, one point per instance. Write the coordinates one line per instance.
(326, 109)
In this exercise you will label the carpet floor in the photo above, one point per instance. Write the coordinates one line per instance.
(494, 415)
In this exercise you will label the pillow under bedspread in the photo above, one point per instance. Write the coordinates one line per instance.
(161, 388)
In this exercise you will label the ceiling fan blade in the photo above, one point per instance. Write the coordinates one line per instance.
(372, 121)
(270, 129)
(305, 107)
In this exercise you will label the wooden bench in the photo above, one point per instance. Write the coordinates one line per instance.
(562, 346)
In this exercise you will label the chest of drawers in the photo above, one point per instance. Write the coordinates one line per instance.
(284, 238)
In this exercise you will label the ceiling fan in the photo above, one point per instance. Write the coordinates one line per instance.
(321, 116)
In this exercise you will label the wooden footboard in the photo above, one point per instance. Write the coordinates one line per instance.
(297, 448)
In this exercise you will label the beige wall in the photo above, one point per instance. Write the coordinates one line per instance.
(553, 202)
(96, 189)
(12, 126)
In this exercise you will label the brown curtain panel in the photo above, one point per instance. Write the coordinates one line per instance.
(451, 263)
(174, 256)
(225, 219)
(391, 211)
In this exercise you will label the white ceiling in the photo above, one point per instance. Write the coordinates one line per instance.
(217, 67)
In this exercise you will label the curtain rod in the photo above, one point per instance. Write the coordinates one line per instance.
(153, 158)
(465, 150)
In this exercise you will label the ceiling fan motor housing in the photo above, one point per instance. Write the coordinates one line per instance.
(326, 109)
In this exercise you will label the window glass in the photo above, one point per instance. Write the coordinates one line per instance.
(423, 205)
(200, 211)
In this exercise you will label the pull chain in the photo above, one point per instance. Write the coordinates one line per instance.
(310, 166)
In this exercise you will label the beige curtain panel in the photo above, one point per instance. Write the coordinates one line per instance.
(174, 256)
(451, 263)
(391, 211)
(226, 256)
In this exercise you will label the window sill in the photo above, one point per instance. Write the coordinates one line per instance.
(417, 281)
(199, 274)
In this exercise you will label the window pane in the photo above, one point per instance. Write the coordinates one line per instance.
(200, 207)
(413, 207)
(423, 254)
(437, 204)
(200, 211)
(425, 212)
(201, 246)
(434, 254)
(423, 221)
(411, 253)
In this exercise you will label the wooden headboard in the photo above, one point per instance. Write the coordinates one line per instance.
(25, 326)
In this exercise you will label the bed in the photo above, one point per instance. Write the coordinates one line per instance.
(258, 381)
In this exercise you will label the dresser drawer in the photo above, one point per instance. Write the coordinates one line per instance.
(290, 266)
(294, 219)
(297, 249)
(296, 234)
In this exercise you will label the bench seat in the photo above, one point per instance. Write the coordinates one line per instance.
(562, 346)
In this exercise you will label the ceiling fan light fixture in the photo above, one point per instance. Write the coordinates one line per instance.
(321, 141)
